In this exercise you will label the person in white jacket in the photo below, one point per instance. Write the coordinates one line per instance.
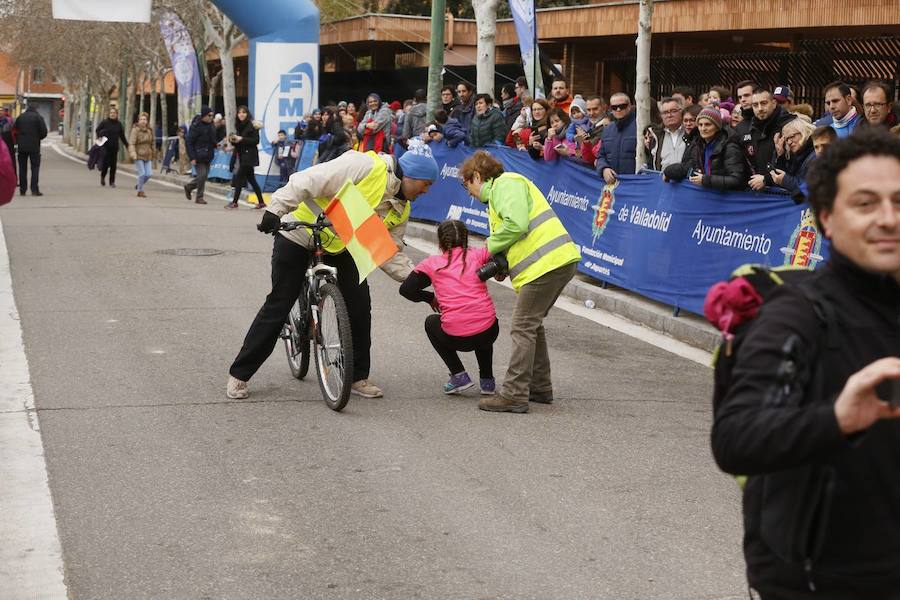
(305, 195)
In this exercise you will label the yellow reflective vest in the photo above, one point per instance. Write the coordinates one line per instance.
(546, 244)
(372, 187)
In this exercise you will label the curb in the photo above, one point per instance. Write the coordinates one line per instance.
(687, 327)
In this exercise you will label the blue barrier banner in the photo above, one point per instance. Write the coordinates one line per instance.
(667, 241)
(220, 167)
(307, 155)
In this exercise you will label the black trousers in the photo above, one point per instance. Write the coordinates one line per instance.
(12, 155)
(289, 262)
(447, 346)
(109, 165)
(24, 158)
(243, 175)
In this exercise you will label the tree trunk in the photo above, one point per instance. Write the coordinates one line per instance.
(225, 55)
(486, 23)
(153, 97)
(642, 97)
(87, 127)
(164, 109)
(213, 84)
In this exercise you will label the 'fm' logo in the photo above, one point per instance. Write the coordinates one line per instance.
(293, 95)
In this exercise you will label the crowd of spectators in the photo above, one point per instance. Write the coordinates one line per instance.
(749, 136)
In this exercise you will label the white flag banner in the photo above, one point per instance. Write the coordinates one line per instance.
(133, 11)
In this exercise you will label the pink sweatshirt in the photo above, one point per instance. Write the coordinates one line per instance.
(466, 306)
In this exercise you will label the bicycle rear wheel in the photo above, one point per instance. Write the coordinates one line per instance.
(334, 348)
(296, 338)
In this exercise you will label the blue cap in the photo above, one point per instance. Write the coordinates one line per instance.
(418, 163)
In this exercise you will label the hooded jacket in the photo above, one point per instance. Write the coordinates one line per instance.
(246, 149)
(464, 113)
(414, 123)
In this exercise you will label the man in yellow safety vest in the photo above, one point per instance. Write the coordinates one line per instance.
(389, 184)
(542, 260)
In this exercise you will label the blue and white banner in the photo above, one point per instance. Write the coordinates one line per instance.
(177, 39)
(284, 89)
(665, 241)
(132, 11)
(525, 21)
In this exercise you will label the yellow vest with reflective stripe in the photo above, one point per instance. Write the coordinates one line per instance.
(544, 247)
(372, 187)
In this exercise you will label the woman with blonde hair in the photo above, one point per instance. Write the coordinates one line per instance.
(794, 147)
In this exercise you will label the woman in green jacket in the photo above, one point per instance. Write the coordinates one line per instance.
(542, 260)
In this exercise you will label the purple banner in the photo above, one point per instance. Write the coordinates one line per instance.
(184, 66)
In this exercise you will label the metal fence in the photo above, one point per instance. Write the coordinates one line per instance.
(807, 71)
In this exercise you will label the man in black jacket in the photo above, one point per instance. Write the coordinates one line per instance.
(807, 414)
(759, 137)
(30, 130)
(201, 146)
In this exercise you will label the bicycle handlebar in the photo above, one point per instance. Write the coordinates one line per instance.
(291, 225)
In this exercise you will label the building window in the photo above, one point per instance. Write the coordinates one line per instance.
(404, 60)
(37, 75)
(363, 63)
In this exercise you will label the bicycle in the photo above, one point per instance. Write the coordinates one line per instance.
(319, 321)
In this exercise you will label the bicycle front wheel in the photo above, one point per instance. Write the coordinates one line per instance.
(334, 348)
(296, 339)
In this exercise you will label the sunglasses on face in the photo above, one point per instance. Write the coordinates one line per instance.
(619, 106)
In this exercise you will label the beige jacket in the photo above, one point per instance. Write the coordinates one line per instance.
(142, 145)
(324, 181)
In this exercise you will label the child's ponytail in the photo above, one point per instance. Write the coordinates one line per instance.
(452, 233)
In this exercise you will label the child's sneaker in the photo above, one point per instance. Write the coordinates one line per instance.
(488, 387)
(458, 383)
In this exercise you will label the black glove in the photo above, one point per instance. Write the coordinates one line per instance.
(270, 222)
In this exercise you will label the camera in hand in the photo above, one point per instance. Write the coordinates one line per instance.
(495, 265)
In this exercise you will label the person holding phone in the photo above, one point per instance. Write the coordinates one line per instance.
(809, 414)
(556, 144)
(537, 133)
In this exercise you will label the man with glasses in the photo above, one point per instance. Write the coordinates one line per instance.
(448, 99)
(877, 105)
(839, 102)
(672, 141)
(465, 112)
(618, 142)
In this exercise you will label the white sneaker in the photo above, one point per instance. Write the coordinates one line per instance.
(365, 389)
(237, 389)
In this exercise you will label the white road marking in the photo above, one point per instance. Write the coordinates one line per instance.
(606, 318)
(31, 563)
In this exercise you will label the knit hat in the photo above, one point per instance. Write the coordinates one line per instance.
(712, 115)
(342, 104)
(395, 105)
(218, 116)
(578, 102)
(206, 111)
(418, 163)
